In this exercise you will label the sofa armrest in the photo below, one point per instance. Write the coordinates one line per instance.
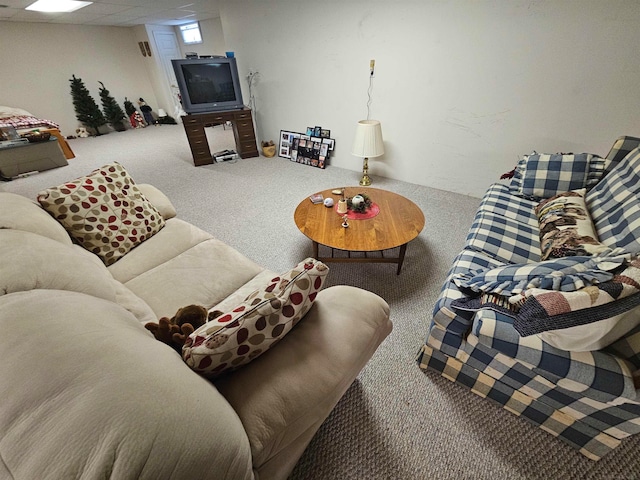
(101, 398)
(621, 148)
(158, 200)
(283, 397)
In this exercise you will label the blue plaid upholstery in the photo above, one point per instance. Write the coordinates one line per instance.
(614, 205)
(591, 427)
(443, 314)
(620, 149)
(567, 274)
(587, 399)
(597, 374)
(540, 176)
(500, 201)
(504, 239)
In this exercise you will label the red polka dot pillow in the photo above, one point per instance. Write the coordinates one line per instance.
(257, 324)
(105, 212)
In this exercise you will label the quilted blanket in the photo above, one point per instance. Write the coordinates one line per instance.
(23, 120)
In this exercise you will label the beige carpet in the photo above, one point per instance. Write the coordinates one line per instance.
(395, 422)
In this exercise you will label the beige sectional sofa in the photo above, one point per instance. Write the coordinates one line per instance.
(87, 392)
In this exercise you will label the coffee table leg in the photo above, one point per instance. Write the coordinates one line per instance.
(315, 250)
(403, 249)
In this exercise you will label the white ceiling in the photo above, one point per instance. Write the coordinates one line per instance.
(124, 13)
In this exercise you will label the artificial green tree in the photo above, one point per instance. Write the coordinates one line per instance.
(112, 111)
(87, 111)
(129, 107)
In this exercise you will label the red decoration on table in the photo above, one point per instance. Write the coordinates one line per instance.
(369, 213)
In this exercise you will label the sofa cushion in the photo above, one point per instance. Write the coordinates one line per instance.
(504, 238)
(566, 228)
(499, 200)
(257, 324)
(105, 212)
(99, 397)
(31, 261)
(183, 265)
(21, 213)
(545, 175)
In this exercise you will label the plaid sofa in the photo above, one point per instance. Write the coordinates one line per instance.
(587, 399)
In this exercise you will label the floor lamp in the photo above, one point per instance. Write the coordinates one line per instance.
(367, 144)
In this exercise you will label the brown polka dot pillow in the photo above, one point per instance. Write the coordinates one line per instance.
(105, 212)
(257, 324)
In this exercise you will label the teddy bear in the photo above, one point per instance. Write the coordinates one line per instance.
(82, 132)
(174, 331)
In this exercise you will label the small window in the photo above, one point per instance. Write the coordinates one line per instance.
(191, 33)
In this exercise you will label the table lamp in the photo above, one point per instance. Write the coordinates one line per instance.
(367, 144)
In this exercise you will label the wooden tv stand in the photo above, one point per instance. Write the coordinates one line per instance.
(242, 131)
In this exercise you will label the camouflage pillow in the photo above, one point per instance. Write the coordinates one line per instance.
(104, 212)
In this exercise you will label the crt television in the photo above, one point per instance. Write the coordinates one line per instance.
(208, 84)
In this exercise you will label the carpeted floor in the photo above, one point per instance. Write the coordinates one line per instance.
(395, 422)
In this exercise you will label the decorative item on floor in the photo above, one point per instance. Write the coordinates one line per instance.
(146, 111)
(368, 143)
(308, 149)
(112, 111)
(135, 118)
(87, 111)
(268, 149)
(82, 132)
(164, 119)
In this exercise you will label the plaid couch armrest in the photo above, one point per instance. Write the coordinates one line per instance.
(621, 148)
(445, 316)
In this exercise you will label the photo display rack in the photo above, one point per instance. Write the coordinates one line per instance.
(311, 148)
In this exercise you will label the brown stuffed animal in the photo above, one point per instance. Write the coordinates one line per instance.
(174, 331)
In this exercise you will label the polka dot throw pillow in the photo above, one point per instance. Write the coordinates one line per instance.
(105, 212)
(257, 324)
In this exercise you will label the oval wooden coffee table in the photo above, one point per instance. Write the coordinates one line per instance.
(399, 221)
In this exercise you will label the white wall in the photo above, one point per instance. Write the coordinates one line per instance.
(38, 59)
(462, 87)
(212, 39)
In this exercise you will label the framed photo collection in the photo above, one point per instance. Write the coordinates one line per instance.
(311, 148)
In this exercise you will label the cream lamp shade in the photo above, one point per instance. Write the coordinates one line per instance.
(367, 144)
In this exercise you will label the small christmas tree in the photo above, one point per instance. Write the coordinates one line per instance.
(129, 107)
(112, 111)
(135, 118)
(87, 111)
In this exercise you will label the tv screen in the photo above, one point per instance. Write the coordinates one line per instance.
(208, 84)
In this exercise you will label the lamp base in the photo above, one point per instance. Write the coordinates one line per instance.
(365, 181)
